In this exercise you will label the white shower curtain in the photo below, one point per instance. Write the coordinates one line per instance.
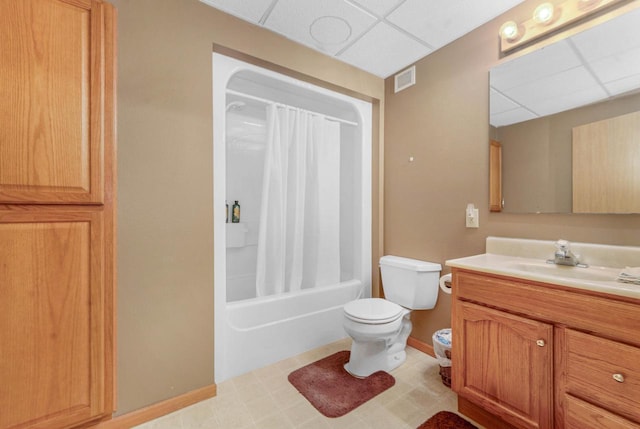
(299, 236)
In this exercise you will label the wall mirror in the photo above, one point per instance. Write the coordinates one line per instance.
(536, 101)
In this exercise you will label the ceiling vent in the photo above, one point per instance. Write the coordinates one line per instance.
(405, 79)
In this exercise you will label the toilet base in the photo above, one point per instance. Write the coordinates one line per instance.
(368, 357)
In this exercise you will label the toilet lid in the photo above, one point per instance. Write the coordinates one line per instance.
(372, 311)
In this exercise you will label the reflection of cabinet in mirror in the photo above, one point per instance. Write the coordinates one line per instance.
(606, 166)
(495, 176)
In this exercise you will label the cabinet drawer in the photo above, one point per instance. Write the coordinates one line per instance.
(603, 372)
(582, 415)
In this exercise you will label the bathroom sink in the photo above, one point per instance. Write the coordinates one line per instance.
(527, 260)
(593, 274)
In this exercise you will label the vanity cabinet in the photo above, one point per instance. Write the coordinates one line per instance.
(57, 213)
(536, 355)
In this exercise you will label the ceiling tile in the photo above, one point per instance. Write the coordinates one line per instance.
(610, 38)
(498, 103)
(617, 67)
(628, 84)
(558, 85)
(337, 27)
(378, 7)
(511, 117)
(551, 105)
(328, 25)
(383, 51)
(252, 11)
(437, 25)
(536, 65)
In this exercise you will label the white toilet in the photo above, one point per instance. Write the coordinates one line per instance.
(379, 327)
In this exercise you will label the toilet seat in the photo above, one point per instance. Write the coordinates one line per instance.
(373, 311)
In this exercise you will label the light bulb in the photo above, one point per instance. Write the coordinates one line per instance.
(509, 30)
(543, 14)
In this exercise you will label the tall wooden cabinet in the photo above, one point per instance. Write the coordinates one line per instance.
(57, 212)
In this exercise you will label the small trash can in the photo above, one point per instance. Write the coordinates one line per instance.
(442, 350)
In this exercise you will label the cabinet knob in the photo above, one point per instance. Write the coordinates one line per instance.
(619, 378)
(540, 343)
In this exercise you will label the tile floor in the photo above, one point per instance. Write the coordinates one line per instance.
(265, 399)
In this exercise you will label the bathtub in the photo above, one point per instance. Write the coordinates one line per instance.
(261, 331)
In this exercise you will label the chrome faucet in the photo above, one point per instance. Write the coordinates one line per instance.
(564, 255)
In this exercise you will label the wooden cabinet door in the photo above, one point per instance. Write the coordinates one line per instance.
(52, 342)
(51, 101)
(503, 363)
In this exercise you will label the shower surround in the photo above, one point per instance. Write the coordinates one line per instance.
(297, 158)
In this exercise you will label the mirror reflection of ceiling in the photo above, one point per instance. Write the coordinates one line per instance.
(591, 66)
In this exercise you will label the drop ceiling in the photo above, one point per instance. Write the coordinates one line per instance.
(591, 66)
(381, 37)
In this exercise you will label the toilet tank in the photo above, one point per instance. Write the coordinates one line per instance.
(410, 283)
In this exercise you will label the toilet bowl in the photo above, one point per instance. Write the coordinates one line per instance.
(378, 327)
(375, 326)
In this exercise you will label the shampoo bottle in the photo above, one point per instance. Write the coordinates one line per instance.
(226, 211)
(235, 217)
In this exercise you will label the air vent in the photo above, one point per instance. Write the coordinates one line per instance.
(405, 79)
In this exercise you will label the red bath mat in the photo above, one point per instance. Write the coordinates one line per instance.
(446, 420)
(332, 390)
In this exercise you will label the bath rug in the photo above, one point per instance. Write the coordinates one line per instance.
(446, 420)
(332, 390)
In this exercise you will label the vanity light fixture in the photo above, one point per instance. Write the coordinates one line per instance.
(587, 4)
(548, 17)
(544, 13)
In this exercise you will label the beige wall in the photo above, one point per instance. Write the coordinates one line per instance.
(442, 122)
(165, 234)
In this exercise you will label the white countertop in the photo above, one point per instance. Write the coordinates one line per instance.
(594, 278)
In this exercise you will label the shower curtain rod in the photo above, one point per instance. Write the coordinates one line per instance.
(264, 100)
